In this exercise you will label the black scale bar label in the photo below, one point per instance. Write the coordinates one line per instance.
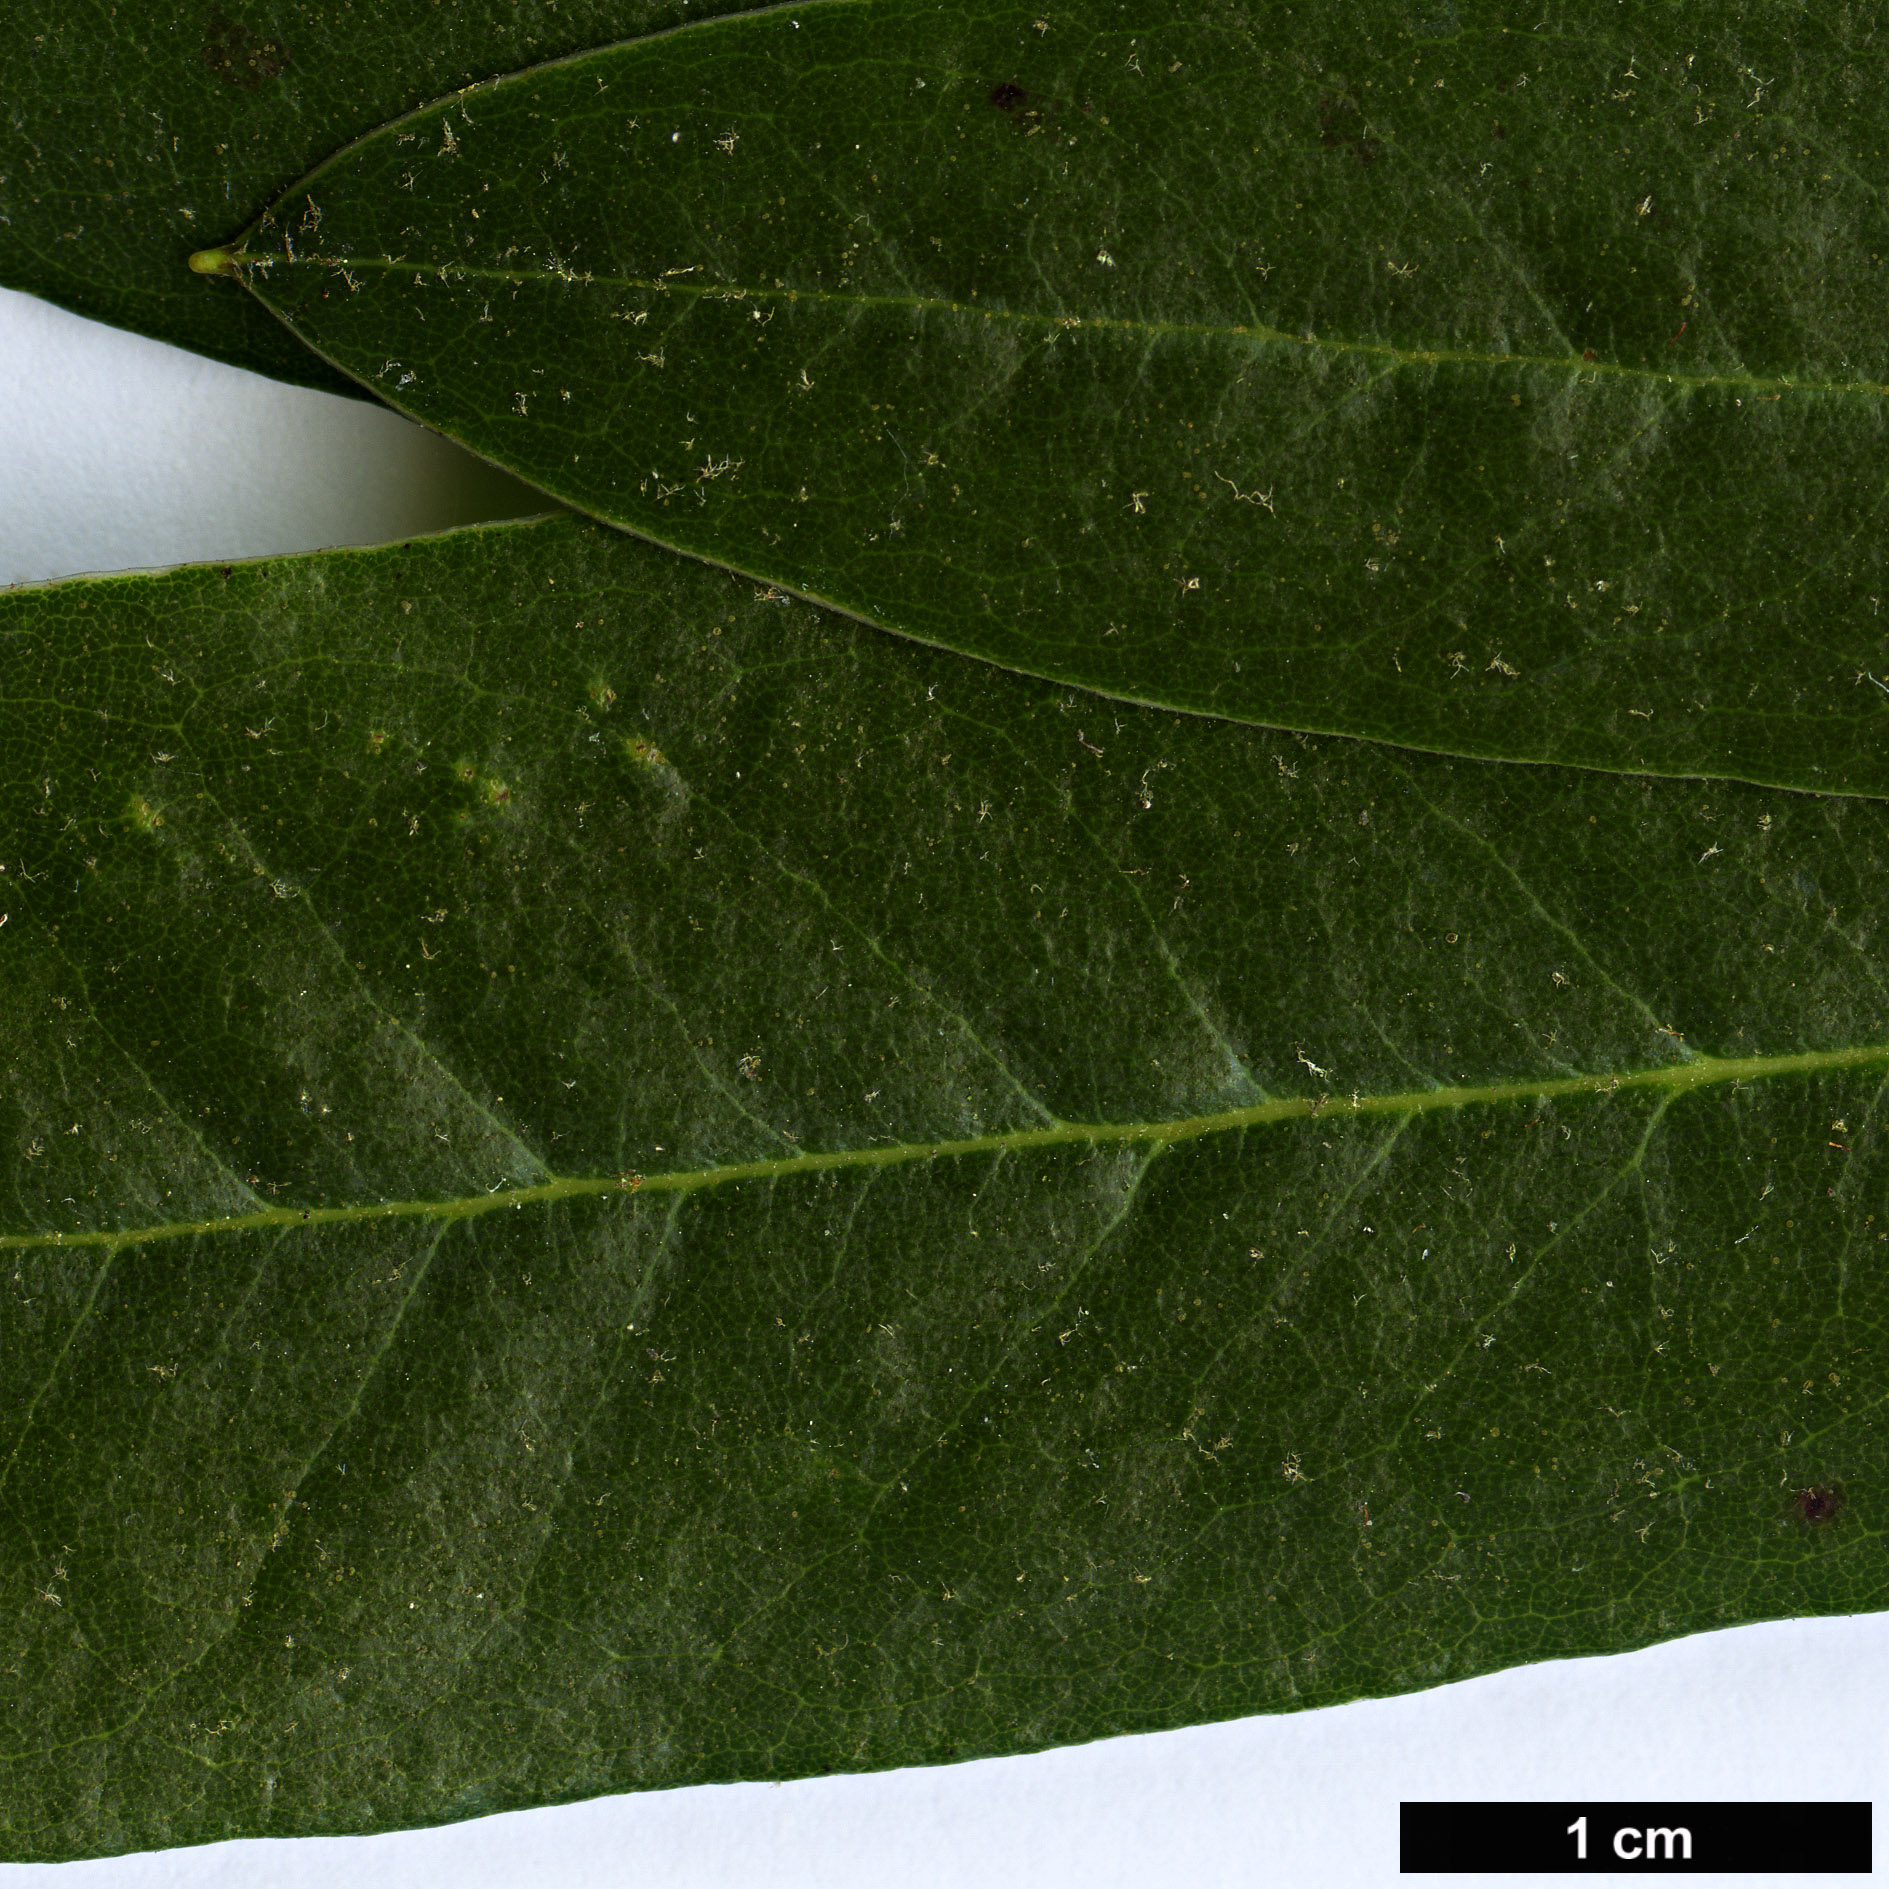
(1652, 1839)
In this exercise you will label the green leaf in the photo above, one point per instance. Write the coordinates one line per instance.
(1484, 385)
(130, 136)
(609, 1182)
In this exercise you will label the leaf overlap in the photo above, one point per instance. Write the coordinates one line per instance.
(1548, 434)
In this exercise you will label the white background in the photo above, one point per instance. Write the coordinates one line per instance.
(118, 453)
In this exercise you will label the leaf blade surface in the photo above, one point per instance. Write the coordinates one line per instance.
(610, 1183)
(1469, 392)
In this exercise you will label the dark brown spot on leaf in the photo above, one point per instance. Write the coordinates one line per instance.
(242, 58)
(1339, 120)
(1817, 1506)
(1341, 128)
(1007, 97)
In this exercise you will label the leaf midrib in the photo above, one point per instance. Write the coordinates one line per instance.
(1257, 333)
(1670, 1080)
